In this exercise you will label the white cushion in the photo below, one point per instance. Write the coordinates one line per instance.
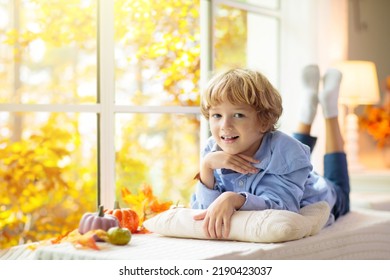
(254, 226)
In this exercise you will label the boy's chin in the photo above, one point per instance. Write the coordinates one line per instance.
(230, 151)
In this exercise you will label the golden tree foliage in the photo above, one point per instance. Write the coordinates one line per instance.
(165, 35)
(60, 23)
(39, 196)
(230, 37)
(65, 31)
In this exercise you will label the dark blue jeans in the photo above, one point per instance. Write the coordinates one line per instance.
(336, 171)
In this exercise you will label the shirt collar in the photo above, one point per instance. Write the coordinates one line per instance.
(263, 154)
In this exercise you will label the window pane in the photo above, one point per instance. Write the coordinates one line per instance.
(230, 38)
(48, 51)
(244, 39)
(48, 169)
(161, 150)
(157, 52)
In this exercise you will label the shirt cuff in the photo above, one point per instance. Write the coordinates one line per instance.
(252, 202)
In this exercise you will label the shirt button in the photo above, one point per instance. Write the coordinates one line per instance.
(241, 183)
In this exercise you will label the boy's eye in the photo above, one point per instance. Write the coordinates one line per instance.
(238, 115)
(216, 116)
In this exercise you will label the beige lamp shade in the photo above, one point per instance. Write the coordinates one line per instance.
(359, 84)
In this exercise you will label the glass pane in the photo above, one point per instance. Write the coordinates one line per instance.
(48, 169)
(243, 39)
(230, 38)
(157, 52)
(161, 150)
(48, 51)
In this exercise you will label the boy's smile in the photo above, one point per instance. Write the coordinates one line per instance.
(236, 128)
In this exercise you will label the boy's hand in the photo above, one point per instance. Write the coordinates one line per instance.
(240, 163)
(216, 219)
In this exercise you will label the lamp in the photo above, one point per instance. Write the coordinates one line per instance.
(359, 86)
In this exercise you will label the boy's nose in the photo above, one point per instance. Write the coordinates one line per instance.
(226, 125)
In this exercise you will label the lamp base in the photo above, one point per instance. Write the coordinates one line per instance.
(352, 142)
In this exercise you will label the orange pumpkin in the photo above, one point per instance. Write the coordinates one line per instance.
(127, 218)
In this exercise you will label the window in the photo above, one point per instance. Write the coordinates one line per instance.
(157, 56)
(48, 117)
(97, 96)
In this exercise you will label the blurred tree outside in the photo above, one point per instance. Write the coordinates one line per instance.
(48, 164)
(230, 37)
(45, 184)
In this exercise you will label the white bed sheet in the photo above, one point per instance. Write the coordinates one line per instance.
(362, 234)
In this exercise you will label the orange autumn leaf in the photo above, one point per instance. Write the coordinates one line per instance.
(59, 238)
(144, 203)
(86, 240)
(82, 241)
(376, 121)
(125, 192)
(157, 207)
(56, 240)
(143, 230)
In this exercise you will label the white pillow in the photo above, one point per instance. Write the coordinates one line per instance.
(254, 226)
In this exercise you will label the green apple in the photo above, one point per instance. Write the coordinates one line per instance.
(119, 236)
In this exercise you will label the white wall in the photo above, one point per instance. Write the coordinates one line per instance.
(313, 31)
(369, 36)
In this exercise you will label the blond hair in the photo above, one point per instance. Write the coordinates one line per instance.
(244, 86)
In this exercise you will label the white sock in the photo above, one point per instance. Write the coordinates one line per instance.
(329, 96)
(310, 81)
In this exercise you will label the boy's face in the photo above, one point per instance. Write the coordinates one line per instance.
(236, 128)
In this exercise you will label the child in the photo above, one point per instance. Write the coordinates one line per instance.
(249, 165)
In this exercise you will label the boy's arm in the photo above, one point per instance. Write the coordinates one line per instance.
(206, 175)
(217, 160)
(283, 192)
(207, 191)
